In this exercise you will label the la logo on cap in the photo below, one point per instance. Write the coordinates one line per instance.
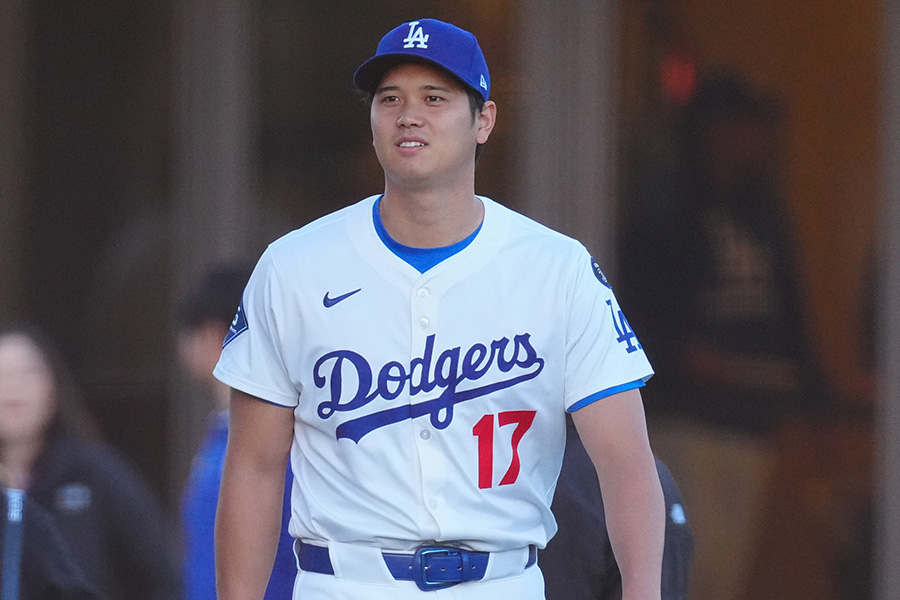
(416, 38)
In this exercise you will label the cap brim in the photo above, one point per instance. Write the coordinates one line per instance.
(370, 72)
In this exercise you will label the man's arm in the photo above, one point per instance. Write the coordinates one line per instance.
(248, 519)
(614, 433)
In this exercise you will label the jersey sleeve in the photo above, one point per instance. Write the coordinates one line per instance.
(252, 359)
(604, 355)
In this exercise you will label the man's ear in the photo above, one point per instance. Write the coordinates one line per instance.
(486, 120)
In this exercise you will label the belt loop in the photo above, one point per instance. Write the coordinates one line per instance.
(466, 568)
(313, 558)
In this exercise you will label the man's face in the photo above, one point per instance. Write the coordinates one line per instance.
(423, 130)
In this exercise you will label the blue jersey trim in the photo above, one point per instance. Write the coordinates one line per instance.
(606, 393)
(420, 259)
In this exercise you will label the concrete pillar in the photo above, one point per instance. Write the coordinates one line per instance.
(214, 214)
(567, 130)
(887, 577)
(215, 133)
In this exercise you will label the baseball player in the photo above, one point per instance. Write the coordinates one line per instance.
(414, 354)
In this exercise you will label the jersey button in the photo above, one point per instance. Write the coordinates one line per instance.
(422, 293)
(433, 503)
(425, 434)
(424, 322)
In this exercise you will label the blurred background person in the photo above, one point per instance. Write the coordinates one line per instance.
(35, 562)
(711, 276)
(106, 514)
(578, 562)
(206, 315)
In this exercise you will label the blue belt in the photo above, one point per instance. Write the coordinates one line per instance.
(430, 567)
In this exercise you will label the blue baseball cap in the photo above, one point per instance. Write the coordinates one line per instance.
(430, 41)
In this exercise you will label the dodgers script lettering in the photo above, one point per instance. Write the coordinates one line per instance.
(353, 383)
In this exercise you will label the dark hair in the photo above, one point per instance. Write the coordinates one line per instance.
(476, 103)
(726, 94)
(476, 100)
(69, 414)
(216, 296)
(721, 96)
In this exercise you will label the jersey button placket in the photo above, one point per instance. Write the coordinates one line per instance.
(423, 305)
(434, 470)
(423, 308)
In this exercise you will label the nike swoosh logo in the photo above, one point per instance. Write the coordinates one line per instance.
(329, 302)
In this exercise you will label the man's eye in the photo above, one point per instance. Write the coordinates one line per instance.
(434, 98)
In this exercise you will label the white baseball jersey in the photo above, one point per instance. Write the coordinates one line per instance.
(428, 407)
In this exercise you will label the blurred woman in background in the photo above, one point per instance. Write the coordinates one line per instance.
(105, 512)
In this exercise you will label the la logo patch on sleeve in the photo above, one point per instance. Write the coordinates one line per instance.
(238, 325)
(598, 273)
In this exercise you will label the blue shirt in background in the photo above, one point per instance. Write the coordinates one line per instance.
(199, 518)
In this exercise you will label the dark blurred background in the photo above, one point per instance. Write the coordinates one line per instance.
(141, 142)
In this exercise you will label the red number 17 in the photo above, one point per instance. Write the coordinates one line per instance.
(484, 431)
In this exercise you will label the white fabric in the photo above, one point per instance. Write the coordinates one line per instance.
(528, 585)
(358, 563)
(518, 287)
